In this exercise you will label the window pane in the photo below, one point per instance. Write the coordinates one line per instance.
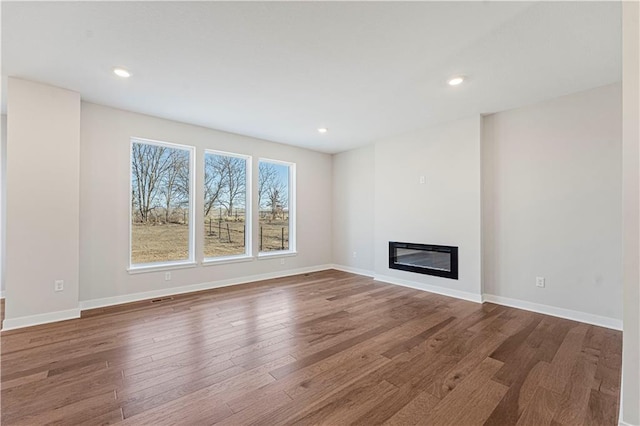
(225, 210)
(160, 184)
(273, 195)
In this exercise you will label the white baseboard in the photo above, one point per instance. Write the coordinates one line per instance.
(351, 270)
(431, 288)
(598, 320)
(584, 317)
(1, 294)
(136, 297)
(31, 320)
(27, 321)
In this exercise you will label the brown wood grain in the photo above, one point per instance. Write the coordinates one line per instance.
(415, 411)
(543, 406)
(322, 348)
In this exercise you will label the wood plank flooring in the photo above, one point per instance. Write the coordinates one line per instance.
(322, 348)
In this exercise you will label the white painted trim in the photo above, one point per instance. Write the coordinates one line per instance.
(192, 216)
(248, 205)
(472, 297)
(264, 255)
(620, 407)
(621, 411)
(292, 203)
(1, 294)
(160, 267)
(352, 270)
(210, 261)
(584, 317)
(31, 320)
(598, 320)
(136, 297)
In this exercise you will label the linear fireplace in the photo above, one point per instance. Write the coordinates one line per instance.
(441, 261)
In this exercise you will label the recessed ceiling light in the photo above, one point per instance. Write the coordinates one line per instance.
(455, 81)
(121, 72)
(323, 130)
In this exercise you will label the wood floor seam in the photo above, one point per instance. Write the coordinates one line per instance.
(327, 347)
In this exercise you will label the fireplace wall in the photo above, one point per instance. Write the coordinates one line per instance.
(444, 210)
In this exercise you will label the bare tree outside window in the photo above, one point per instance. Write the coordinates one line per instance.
(225, 209)
(235, 170)
(266, 175)
(273, 199)
(161, 209)
(214, 182)
(160, 186)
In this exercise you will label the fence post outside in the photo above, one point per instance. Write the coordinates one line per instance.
(261, 238)
(282, 238)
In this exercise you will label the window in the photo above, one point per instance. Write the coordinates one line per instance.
(276, 183)
(226, 229)
(161, 203)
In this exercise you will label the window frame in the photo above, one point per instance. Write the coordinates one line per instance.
(175, 264)
(292, 201)
(248, 216)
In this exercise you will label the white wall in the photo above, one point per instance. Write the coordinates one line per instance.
(43, 143)
(552, 202)
(353, 209)
(3, 196)
(104, 203)
(445, 210)
(630, 404)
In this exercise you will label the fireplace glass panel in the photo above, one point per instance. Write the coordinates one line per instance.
(429, 259)
(425, 259)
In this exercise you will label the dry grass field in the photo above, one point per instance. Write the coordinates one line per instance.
(223, 239)
(168, 242)
(272, 235)
(159, 243)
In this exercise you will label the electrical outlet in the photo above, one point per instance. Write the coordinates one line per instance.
(58, 285)
(355, 254)
(422, 179)
(282, 261)
(167, 276)
(540, 282)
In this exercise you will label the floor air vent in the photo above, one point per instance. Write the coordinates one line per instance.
(162, 299)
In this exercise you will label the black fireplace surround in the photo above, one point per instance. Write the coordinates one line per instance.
(441, 261)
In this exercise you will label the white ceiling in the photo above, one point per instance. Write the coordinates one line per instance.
(279, 71)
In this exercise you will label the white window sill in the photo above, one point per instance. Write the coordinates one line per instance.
(277, 254)
(227, 259)
(161, 267)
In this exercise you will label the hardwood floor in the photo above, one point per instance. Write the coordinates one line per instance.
(327, 347)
